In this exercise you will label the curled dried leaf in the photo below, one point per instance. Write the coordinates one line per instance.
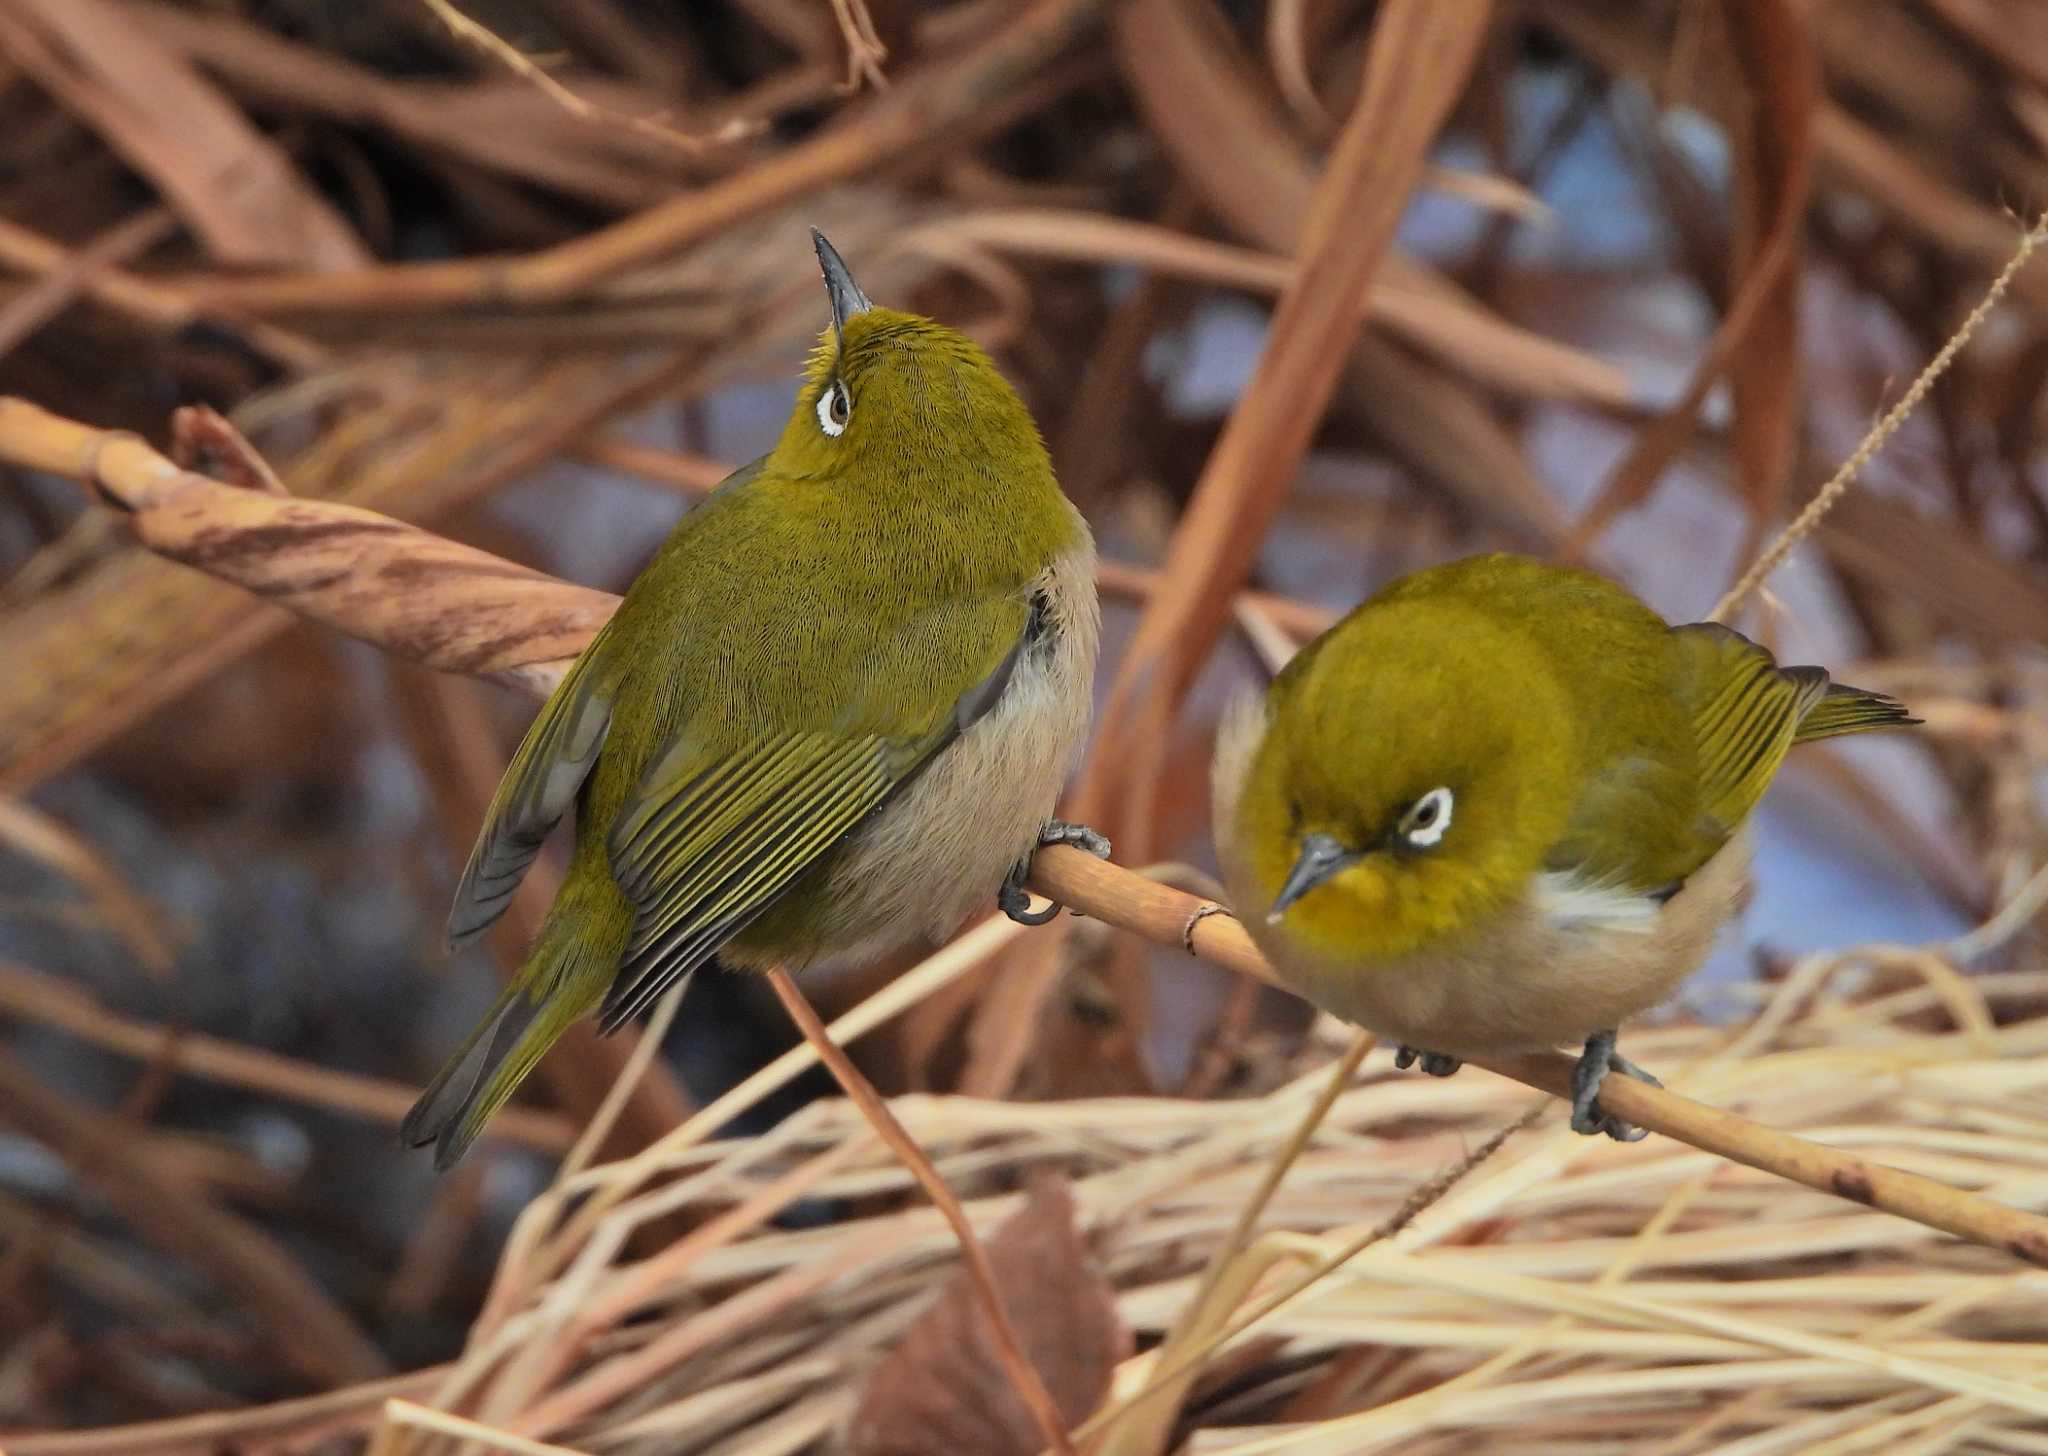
(942, 1391)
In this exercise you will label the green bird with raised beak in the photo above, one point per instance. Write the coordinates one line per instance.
(832, 715)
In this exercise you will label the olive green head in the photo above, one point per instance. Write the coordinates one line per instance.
(1415, 769)
(897, 403)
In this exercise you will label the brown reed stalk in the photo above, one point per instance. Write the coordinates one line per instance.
(483, 615)
(1163, 915)
(1009, 1347)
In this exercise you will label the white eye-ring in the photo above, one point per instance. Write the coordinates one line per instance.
(835, 408)
(1426, 820)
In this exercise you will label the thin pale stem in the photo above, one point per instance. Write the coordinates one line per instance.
(1009, 1349)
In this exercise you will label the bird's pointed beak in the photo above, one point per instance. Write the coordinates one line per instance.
(1321, 857)
(847, 299)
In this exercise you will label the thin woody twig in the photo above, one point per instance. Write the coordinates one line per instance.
(1196, 1327)
(864, 49)
(1845, 475)
(1183, 1362)
(523, 627)
(1009, 1348)
(482, 38)
(1117, 897)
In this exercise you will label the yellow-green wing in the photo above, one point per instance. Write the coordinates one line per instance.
(540, 784)
(708, 840)
(1843, 709)
(1747, 711)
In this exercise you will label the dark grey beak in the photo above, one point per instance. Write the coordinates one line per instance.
(1321, 857)
(847, 299)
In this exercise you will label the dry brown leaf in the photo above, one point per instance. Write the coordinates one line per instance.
(203, 440)
(28, 995)
(502, 126)
(1859, 156)
(232, 185)
(129, 635)
(1439, 424)
(1204, 101)
(941, 1391)
(1289, 39)
(1907, 554)
(933, 104)
(2016, 36)
(56, 290)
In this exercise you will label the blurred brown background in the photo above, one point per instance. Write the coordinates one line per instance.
(1646, 283)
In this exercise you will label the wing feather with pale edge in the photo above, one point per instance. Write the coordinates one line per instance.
(540, 784)
(1746, 711)
(704, 847)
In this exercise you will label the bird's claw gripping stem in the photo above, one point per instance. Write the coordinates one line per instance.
(1598, 1059)
(1012, 899)
(1437, 1064)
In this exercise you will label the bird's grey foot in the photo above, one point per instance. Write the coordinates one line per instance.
(1598, 1059)
(1011, 898)
(1059, 831)
(1437, 1064)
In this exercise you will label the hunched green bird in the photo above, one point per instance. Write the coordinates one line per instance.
(832, 714)
(1502, 806)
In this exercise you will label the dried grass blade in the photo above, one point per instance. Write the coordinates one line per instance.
(344, 1411)
(1162, 915)
(125, 913)
(311, 1332)
(31, 995)
(1415, 69)
(1764, 297)
(1407, 298)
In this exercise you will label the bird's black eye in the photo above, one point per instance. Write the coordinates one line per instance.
(1426, 819)
(835, 408)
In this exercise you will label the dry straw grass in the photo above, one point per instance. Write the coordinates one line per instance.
(532, 1371)
(1657, 1290)
(1828, 1249)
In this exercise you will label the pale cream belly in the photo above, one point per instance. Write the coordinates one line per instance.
(938, 852)
(1525, 983)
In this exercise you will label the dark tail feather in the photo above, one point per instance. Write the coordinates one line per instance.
(1844, 709)
(573, 959)
(455, 1086)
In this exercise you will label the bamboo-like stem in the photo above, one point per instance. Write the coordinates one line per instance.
(1161, 914)
(1009, 1348)
(476, 613)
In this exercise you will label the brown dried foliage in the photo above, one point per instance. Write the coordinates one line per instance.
(942, 1390)
(225, 203)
